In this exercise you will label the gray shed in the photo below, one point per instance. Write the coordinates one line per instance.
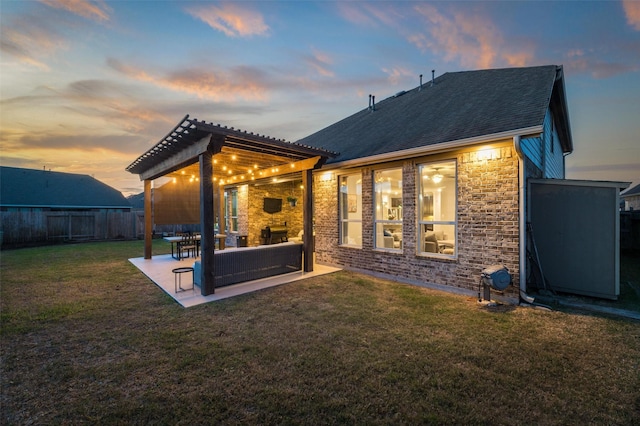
(576, 228)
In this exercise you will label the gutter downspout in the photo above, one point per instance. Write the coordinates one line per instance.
(522, 224)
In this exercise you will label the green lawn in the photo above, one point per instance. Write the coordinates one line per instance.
(87, 339)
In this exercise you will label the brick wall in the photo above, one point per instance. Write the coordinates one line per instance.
(487, 224)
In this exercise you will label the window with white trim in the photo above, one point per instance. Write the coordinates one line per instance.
(231, 209)
(351, 210)
(387, 199)
(437, 209)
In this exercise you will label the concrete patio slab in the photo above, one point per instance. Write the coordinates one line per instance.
(158, 269)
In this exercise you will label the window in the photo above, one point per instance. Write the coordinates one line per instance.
(231, 209)
(388, 208)
(437, 209)
(351, 210)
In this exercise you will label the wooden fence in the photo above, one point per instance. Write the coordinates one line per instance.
(24, 228)
(630, 230)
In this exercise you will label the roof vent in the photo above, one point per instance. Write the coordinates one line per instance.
(433, 77)
(420, 83)
(372, 103)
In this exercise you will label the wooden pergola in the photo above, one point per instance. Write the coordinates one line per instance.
(207, 151)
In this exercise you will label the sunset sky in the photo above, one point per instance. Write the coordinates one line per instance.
(86, 87)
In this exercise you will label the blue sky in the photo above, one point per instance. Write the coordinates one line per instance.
(86, 87)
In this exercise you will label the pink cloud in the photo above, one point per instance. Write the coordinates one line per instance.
(30, 39)
(464, 35)
(370, 14)
(97, 11)
(599, 69)
(321, 62)
(396, 74)
(590, 62)
(632, 11)
(241, 82)
(231, 19)
(466, 38)
(520, 59)
(470, 38)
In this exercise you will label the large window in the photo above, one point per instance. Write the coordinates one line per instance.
(231, 209)
(437, 209)
(351, 210)
(388, 208)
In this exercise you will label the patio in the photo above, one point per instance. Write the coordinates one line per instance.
(208, 171)
(158, 269)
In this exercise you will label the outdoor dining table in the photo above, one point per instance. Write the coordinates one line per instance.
(176, 240)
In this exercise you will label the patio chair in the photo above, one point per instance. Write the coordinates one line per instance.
(187, 244)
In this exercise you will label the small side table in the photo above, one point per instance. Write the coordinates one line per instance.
(177, 277)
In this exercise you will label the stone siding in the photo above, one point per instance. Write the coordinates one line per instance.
(256, 218)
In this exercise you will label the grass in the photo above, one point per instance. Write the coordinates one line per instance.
(86, 338)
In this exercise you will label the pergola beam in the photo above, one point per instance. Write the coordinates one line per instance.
(180, 159)
(282, 170)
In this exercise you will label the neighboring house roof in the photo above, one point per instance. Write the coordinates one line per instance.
(631, 191)
(41, 188)
(136, 200)
(458, 106)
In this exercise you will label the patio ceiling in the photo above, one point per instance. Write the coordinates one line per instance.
(239, 155)
(235, 166)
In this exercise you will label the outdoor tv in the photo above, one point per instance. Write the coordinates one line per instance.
(272, 205)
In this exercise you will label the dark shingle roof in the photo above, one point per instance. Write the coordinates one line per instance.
(460, 105)
(136, 200)
(40, 188)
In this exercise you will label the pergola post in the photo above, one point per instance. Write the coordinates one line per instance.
(207, 222)
(148, 220)
(307, 219)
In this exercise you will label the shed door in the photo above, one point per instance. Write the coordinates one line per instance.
(576, 227)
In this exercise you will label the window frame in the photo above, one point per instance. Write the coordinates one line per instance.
(341, 209)
(422, 225)
(389, 222)
(231, 199)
